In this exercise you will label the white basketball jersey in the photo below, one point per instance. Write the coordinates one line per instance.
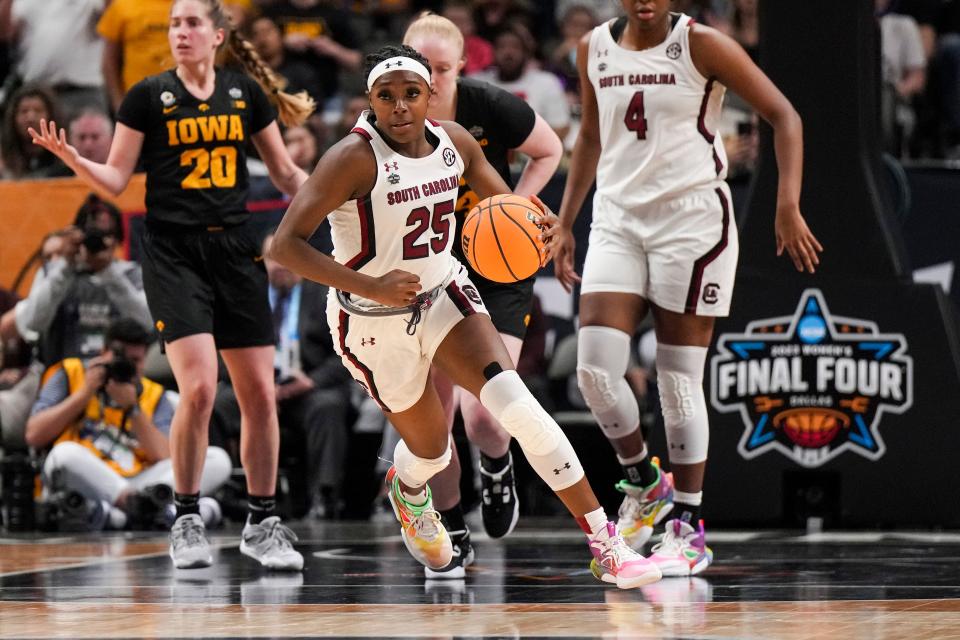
(407, 221)
(658, 119)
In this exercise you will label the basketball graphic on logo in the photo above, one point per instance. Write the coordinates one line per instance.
(501, 238)
(811, 427)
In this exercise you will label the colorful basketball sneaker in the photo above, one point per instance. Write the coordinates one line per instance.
(420, 526)
(463, 556)
(683, 550)
(644, 507)
(615, 562)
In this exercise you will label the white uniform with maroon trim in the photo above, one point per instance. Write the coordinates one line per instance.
(662, 208)
(406, 222)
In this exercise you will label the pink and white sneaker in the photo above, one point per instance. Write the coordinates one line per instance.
(683, 551)
(615, 562)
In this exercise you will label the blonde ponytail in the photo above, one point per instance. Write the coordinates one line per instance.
(293, 109)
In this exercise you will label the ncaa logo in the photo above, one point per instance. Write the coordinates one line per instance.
(449, 157)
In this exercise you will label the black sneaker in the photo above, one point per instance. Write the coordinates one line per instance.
(462, 557)
(500, 507)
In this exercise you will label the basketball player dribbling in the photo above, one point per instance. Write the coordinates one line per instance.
(400, 301)
(663, 239)
(500, 121)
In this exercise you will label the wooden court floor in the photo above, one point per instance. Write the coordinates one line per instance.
(360, 582)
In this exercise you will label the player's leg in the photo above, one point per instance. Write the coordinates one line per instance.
(193, 360)
(693, 258)
(612, 304)
(473, 355)
(423, 451)
(263, 538)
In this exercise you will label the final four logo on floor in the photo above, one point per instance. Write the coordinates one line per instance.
(812, 385)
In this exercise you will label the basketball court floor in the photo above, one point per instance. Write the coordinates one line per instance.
(359, 581)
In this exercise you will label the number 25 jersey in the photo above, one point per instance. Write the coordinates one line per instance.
(194, 151)
(658, 117)
(407, 220)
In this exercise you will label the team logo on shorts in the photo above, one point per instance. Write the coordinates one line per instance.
(711, 293)
(472, 294)
(449, 157)
(673, 51)
(167, 99)
(235, 93)
(812, 385)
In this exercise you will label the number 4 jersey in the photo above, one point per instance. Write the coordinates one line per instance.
(194, 150)
(407, 221)
(658, 117)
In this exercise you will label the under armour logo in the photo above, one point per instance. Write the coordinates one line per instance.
(365, 341)
(398, 63)
(566, 465)
(390, 166)
(602, 52)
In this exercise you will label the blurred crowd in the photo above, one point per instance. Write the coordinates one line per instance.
(72, 61)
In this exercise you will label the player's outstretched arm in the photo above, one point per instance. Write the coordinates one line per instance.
(544, 149)
(718, 56)
(110, 178)
(347, 171)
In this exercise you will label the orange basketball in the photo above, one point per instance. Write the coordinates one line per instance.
(501, 238)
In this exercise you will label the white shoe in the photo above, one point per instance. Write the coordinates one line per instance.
(189, 548)
(271, 544)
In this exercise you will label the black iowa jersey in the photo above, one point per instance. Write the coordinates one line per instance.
(194, 150)
(500, 121)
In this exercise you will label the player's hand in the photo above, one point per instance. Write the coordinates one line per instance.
(54, 141)
(794, 236)
(396, 288)
(548, 220)
(561, 247)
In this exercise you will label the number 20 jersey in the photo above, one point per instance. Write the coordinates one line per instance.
(407, 221)
(658, 118)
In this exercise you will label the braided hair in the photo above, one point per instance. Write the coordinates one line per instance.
(392, 51)
(293, 109)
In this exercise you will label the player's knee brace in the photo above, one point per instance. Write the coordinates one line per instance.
(603, 354)
(415, 471)
(680, 380)
(543, 442)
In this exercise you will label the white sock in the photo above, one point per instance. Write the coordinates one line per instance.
(596, 520)
(416, 499)
(634, 459)
(692, 499)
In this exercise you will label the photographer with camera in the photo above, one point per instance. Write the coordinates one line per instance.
(78, 293)
(110, 429)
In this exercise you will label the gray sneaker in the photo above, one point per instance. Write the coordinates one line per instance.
(271, 544)
(189, 548)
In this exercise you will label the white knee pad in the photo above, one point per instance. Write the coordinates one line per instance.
(415, 471)
(603, 354)
(543, 442)
(680, 380)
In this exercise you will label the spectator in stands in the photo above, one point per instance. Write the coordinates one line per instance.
(22, 372)
(575, 23)
(313, 391)
(493, 16)
(110, 426)
(745, 27)
(56, 44)
(319, 33)
(514, 72)
(903, 74)
(91, 132)
(603, 10)
(477, 51)
(135, 44)
(21, 158)
(353, 106)
(74, 300)
(305, 145)
(267, 39)
(948, 72)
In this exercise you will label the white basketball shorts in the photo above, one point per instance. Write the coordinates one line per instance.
(388, 362)
(681, 254)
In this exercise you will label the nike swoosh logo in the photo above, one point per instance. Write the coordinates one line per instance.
(167, 110)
